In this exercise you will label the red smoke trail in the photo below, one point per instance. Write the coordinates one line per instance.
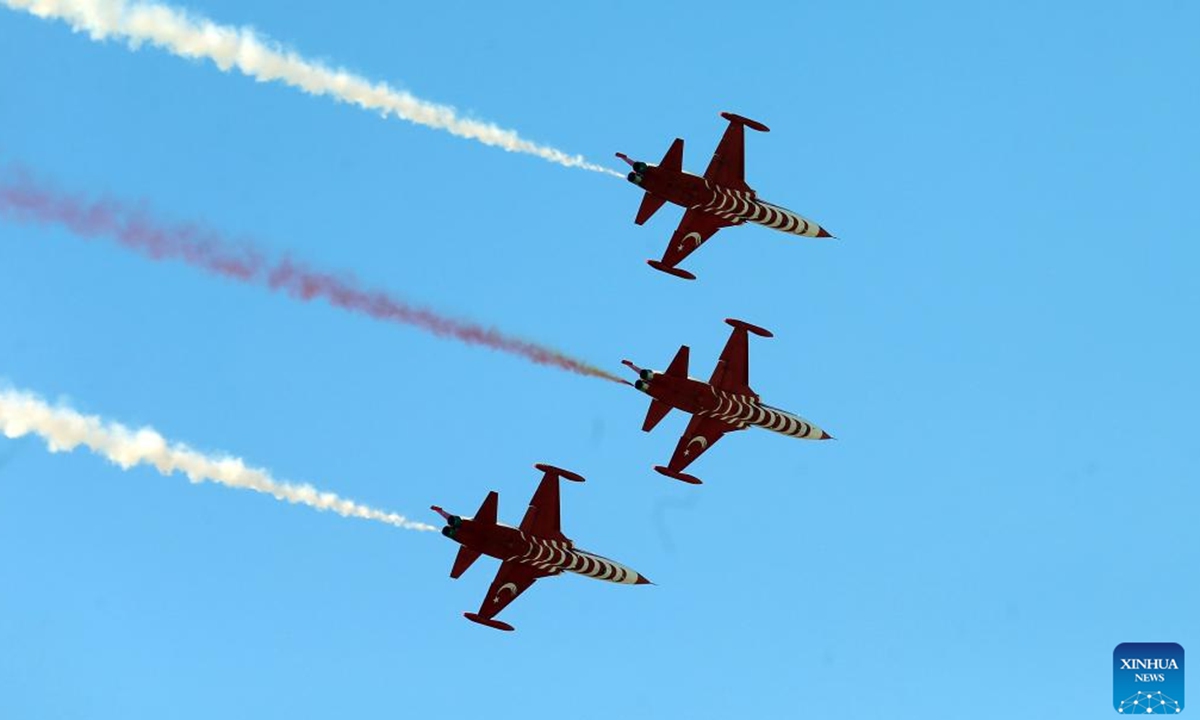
(25, 200)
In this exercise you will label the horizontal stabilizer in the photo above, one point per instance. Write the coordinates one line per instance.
(650, 205)
(466, 556)
(658, 410)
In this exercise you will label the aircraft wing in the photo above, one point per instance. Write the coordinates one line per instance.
(733, 368)
(695, 228)
(542, 518)
(512, 579)
(701, 434)
(728, 165)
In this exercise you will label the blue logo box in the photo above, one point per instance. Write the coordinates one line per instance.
(1148, 678)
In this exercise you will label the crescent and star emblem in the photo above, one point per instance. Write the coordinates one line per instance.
(511, 587)
(693, 236)
(698, 439)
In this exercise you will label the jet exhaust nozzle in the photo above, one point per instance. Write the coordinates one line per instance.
(453, 522)
(638, 166)
(642, 385)
(646, 374)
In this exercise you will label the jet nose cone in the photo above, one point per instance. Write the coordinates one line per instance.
(643, 580)
(822, 232)
(825, 436)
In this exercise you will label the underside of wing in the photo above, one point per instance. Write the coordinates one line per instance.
(512, 579)
(543, 516)
(695, 228)
(728, 165)
(701, 434)
(732, 373)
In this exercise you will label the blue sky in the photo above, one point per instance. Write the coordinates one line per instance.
(1002, 340)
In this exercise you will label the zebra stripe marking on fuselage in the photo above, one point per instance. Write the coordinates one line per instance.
(741, 206)
(556, 556)
(742, 411)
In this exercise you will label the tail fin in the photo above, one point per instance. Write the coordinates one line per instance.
(679, 366)
(658, 409)
(485, 514)
(672, 161)
(487, 511)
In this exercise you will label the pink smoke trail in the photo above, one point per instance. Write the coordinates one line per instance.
(25, 200)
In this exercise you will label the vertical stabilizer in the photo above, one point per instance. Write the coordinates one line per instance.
(679, 366)
(487, 511)
(673, 160)
(658, 409)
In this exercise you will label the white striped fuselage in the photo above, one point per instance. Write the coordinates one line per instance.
(556, 556)
(743, 206)
(741, 411)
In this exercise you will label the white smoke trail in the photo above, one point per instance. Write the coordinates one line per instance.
(64, 429)
(192, 36)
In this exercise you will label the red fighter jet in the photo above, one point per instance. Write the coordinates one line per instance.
(719, 199)
(534, 550)
(723, 404)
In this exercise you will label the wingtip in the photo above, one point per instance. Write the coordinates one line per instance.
(670, 269)
(749, 327)
(677, 475)
(489, 622)
(752, 124)
(564, 474)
